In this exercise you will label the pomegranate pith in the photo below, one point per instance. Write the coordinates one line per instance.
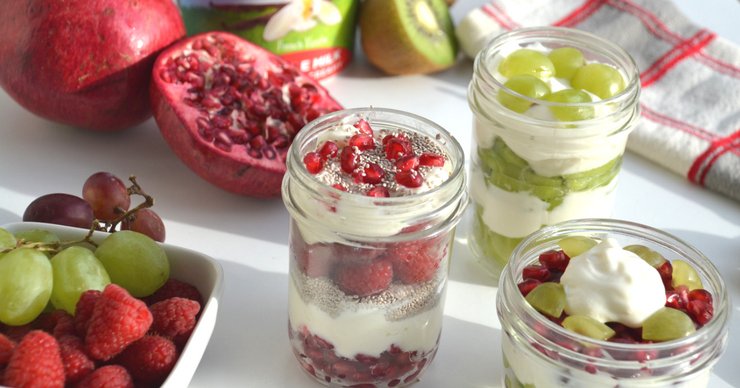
(230, 110)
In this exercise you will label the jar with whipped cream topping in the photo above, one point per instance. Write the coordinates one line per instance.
(552, 110)
(374, 196)
(539, 351)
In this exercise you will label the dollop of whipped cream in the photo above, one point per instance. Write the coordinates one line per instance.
(611, 284)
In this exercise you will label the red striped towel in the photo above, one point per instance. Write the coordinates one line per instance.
(690, 77)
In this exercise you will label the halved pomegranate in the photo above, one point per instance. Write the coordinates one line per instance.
(230, 110)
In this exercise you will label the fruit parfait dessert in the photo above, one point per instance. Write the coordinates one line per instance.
(552, 111)
(609, 303)
(374, 196)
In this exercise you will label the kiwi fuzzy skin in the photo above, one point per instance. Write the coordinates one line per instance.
(388, 47)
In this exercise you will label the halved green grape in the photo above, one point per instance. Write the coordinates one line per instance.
(685, 274)
(134, 261)
(76, 270)
(494, 247)
(575, 245)
(526, 61)
(566, 60)
(585, 325)
(37, 235)
(526, 85)
(653, 258)
(596, 177)
(548, 298)
(25, 285)
(599, 79)
(667, 324)
(571, 113)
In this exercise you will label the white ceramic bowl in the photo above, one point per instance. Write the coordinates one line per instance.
(186, 265)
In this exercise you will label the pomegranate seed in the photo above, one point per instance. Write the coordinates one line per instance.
(701, 294)
(410, 179)
(701, 312)
(313, 162)
(528, 285)
(554, 260)
(348, 160)
(407, 163)
(431, 160)
(372, 174)
(339, 187)
(678, 297)
(396, 148)
(666, 274)
(537, 272)
(378, 191)
(364, 127)
(362, 141)
(329, 150)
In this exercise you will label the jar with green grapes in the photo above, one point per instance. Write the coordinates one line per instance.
(552, 110)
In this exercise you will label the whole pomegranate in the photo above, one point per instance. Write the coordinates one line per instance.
(85, 63)
(230, 109)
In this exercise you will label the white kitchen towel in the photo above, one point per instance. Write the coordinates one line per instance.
(690, 77)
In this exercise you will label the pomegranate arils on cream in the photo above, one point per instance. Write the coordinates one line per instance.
(370, 158)
(230, 109)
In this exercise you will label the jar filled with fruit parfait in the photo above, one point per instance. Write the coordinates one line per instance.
(607, 303)
(374, 196)
(552, 110)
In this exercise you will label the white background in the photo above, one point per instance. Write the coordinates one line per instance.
(249, 346)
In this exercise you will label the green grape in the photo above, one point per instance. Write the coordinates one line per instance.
(667, 324)
(575, 245)
(7, 240)
(76, 270)
(653, 258)
(37, 235)
(574, 112)
(566, 60)
(134, 261)
(685, 274)
(25, 285)
(525, 85)
(548, 298)
(526, 61)
(599, 79)
(585, 325)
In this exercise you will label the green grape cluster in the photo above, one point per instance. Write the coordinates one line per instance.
(38, 270)
(528, 70)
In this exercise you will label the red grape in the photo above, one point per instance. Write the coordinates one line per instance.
(145, 221)
(60, 209)
(107, 194)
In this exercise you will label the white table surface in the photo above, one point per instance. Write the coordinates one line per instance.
(249, 346)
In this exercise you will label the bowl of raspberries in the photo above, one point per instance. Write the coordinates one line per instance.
(89, 309)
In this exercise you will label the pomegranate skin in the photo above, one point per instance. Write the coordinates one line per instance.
(85, 63)
(238, 160)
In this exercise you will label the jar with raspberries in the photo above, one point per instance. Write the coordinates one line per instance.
(374, 196)
(604, 303)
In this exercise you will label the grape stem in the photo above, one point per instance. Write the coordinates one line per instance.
(54, 247)
(134, 189)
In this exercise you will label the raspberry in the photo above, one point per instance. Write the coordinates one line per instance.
(363, 279)
(118, 320)
(108, 376)
(174, 288)
(76, 363)
(6, 349)
(149, 359)
(36, 362)
(57, 322)
(361, 255)
(417, 261)
(174, 316)
(84, 310)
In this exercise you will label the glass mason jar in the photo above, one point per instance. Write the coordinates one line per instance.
(555, 161)
(342, 333)
(540, 353)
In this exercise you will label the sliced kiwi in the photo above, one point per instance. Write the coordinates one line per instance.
(408, 36)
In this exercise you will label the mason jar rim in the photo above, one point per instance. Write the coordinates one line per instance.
(510, 296)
